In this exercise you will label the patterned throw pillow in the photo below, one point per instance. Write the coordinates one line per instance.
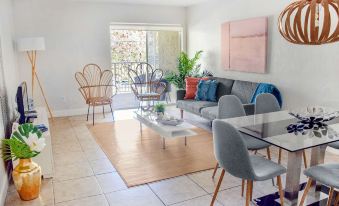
(191, 86)
(202, 90)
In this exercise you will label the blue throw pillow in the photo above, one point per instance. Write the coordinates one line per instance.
(202, 90)
(212, 90)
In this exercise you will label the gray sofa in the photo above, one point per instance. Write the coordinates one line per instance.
(208, 110)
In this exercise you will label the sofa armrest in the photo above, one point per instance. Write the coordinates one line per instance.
(249, 109)
(181, 94)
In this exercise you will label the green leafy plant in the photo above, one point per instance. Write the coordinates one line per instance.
(26, 142)
(159, 107)
(186, 67)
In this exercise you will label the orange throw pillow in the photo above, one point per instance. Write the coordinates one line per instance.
(191, 86)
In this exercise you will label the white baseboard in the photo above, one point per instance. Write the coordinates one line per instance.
(69, 112)
(3, 190)
(82, 111)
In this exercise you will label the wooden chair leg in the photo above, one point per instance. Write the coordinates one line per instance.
(268, 153)
(279, 158)
(103, 110)
(336, 203)
(110, 106)
(89, 106)
(248, 192)
(217, 188)
(181, 113)
(242, 187)
(330, 196)
(305, 158)
(307, 188)
(281, 193)
(251, 194)
(93, 114)
(215, 170)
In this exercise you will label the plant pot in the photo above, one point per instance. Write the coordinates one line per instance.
(160, 115)
(27, 179)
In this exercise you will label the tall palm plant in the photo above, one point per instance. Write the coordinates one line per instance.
(186, 67)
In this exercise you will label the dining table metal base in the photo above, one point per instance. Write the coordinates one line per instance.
(294, 165)
(314, 199)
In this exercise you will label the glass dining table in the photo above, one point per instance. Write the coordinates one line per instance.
(284, 130)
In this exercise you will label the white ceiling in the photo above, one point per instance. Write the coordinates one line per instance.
(152, 2)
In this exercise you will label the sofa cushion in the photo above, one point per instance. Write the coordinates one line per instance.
(244, 90)
(224, 86)
(194, 106)
(210, 113)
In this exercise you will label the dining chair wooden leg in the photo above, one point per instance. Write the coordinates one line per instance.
(281, 193)
(336, 203)
(248, 192)
(215, 170)
(268, 153)
(103, 110)
(217, 188)
(251, 194)
(242, 187)
(330, 196)
(89, 106)
(305, 158)
(279, 157)
(307, 188)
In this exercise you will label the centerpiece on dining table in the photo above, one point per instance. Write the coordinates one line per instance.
(314, 119)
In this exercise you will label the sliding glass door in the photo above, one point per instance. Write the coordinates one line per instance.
(130, 45)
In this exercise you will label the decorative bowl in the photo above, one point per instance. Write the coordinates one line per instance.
(311, 118)
(171, 122)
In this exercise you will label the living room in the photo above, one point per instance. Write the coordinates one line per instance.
(111, 153)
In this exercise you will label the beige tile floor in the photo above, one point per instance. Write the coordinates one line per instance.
(85, 177)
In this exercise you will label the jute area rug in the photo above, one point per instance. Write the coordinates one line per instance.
(141, 159)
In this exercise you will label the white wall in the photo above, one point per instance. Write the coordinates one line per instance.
(306, 75)
(77, 33)
(10, 74)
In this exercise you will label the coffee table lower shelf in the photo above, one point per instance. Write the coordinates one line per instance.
(166, 131)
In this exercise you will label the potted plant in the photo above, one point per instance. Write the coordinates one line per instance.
(159, 108)
(25, 143)
(186, 67)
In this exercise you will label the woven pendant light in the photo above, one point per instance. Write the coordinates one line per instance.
(310, 22)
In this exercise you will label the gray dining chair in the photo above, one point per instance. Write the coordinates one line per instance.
(231, 152)
(334, 145)
(327, 174)
(230, 106)
(266, 103)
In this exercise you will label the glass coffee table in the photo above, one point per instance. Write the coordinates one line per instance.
(165, 131)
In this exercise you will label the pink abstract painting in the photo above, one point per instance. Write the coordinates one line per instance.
(244, 45)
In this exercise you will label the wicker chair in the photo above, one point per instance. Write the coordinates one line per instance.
(146, 84)
(96, 87)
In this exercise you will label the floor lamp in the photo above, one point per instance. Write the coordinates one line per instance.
(31, 46)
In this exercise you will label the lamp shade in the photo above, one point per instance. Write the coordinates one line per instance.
(31, 44)
(310, 22)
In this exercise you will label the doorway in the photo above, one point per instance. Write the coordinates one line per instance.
(157, 45)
